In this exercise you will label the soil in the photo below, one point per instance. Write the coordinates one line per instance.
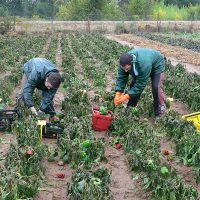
(111, 80)
(55, 188)
(46, 47)
(190, 58)
(186, 172)
(176, 54)
(4, 75)
(180, 107)
(5, 141)
(123, 185)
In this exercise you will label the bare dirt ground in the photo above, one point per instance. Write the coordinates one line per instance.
(172, 52)
(7, 139)
(55, 188)
(123, 186)
(176, 54)
(179, 55)
(185, 171)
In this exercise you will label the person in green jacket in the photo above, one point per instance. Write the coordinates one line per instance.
(141, 64)
(42, 74)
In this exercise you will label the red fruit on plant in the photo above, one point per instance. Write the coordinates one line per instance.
(55, 118)
(118, 146)
(60, 175)
(29, 152)
(167, 152)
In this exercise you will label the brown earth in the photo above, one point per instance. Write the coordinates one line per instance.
(176, 54)
(7, 139)
(122, 184)
(55, 188)
(186, 172)
(189, 57)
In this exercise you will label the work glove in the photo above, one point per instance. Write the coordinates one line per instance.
(122, 99)
(33, 110)
(40, 112)
(117, 97)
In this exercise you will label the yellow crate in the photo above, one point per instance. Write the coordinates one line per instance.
(195, 117)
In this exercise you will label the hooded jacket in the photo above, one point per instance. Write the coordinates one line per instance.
(36, 71)
(145, 63)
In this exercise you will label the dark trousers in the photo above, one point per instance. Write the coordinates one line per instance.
(157, 91)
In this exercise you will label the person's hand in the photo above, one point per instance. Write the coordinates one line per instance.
(117, 97)
(122, 99)
(40, 112)
(33, 110)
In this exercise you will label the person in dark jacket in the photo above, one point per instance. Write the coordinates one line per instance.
(42, 74)
(141, 64)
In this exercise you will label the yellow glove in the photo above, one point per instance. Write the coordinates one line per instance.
(117, 97)
(122, 99)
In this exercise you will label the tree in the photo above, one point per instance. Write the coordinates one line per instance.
(194, 12)
(3, 11)
(29, 8)
(181, 3)
(111, 11)
(74, 10)
(13, 6)
(139, 8)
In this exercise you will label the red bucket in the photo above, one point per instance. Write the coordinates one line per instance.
(101, 122)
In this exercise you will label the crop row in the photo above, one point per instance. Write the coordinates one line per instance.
(14, 57)
(141, 144)
(95, 56)
(175, 41)
(22, 172)
(78, 144)
(183, 85)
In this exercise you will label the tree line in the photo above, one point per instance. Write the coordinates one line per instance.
(101, 9)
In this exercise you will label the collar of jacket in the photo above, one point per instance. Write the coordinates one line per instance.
(134, 67)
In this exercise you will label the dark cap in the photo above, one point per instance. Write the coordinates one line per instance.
(54, 79)
(126, 59)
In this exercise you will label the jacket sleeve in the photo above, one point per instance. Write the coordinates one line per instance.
(47, 99)
(121, 80)
(29, 88)
(140, 82)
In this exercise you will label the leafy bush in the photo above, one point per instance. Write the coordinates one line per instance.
(5, 25)
(170, 12)
(120, 28)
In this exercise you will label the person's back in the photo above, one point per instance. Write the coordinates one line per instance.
(39, 65)
(148, 58)
(141, 64)
(42, 74)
